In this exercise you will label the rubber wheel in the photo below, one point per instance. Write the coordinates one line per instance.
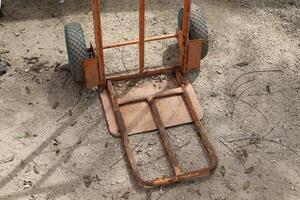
(77, 50)
(198, 30)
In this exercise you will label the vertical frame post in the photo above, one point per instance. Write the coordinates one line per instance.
(99, 42)
(185, 33)
(141, 35)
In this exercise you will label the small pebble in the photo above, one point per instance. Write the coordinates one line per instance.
(28, 91)
(219, 72)
(242, 64)
(55, 105)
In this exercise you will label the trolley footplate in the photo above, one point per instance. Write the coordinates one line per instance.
(181, 98)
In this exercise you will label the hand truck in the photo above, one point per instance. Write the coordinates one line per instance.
(157, 105)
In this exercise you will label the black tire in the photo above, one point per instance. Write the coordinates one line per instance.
(77, 50)
(198, 28)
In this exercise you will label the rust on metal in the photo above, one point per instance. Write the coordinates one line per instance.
(185, 34)
(123, 131)
(91, 73)
(148, 39)
(99, 42)
(179, 175)
(137, 114)
(173, 103)
(144, 96)
(164, 137)
(180, 42)
(194, 54)
(209, 148)
(147, 73)
(142, 35)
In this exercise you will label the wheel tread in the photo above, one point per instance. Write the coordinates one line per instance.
(77, 50)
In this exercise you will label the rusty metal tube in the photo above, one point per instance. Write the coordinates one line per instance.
(146, 73)
(142, 35)
(185, 33)
(99, 42)
(164, 138)
(202, 132)
(162, 94)
(179, 175)
(149, 39)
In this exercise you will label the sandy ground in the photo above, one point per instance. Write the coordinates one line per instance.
(54, 141)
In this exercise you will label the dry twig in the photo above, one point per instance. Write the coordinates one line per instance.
(226, 145)
(124, 155)
(252, 106)
(256, 139)
(163, 155)
(233, 93)
(253, 72)
(237, 98)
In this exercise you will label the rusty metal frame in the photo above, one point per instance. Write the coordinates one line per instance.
(106, 82)
(179, 175)
(184, 38)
